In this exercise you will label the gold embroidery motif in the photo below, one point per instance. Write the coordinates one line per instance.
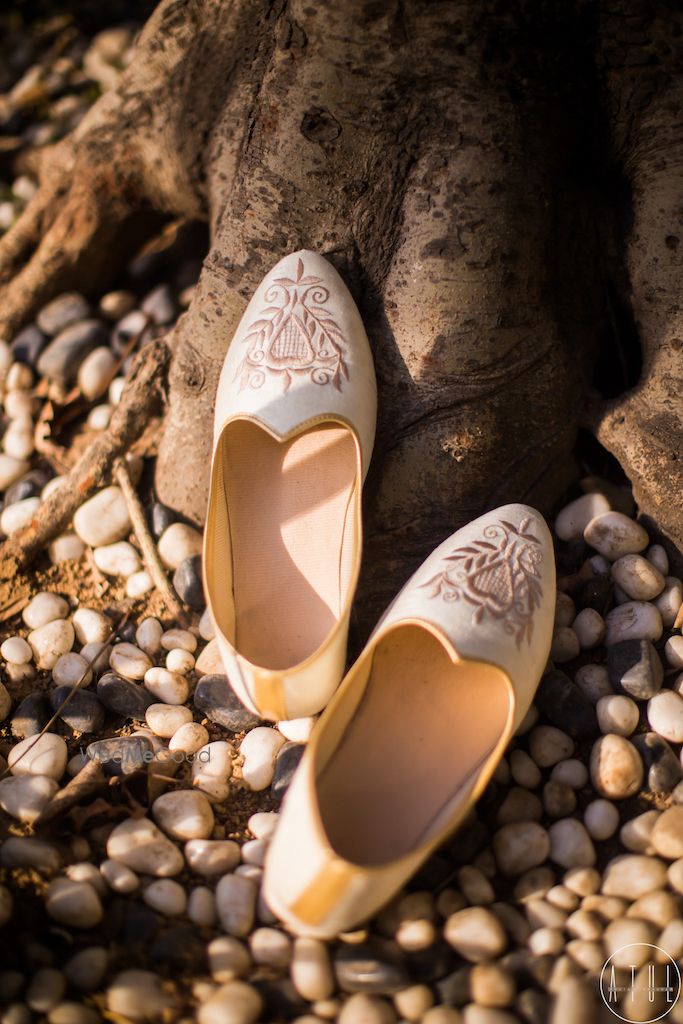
(497, 574)
(294, 336)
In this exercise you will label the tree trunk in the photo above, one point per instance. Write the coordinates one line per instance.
(441, 155)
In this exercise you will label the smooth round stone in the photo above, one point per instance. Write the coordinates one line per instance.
(259, 749)
(563, 703)
(138, 584)
(613, 535)
(99, 417)
(287, 761)
(96, 371)
(124, 697)
(167, 687)
(189, 738)
(19, 377)
(616, 767)
(68, 547)
(633, 875)
(636, 834)
(570, 844)
(164, 719)
(18, 440)
(179, 638)
(270, 948)
(166, 896)
(119, 559)
(617, 714)
(116, 389)
(141, 846)
(178, 660)
(559, 800)
(71, 670)
(161, 517)
(28, 344)
(520, 846)
(369, 968)
(148, 636)
(214, 760)
(50, 642)
(41, 755)
(548, 745)
(209, 662)
(635, 667)
(5, 702)
(43, 609)
(11, 470)
(565, 609)
(575, 517)
(262, 824)
(46, 989)
(97, 656)
(589, 627)
(663, 768)
(31, 716)
(73, 1013)
(87, 872)
(298, 730)
(121, 755)
(593, 681)
(19, 405)
(665, 715)
(16, 650)
(90, 626)
(236, 904)
(216, 699)
(673, 651)
(669, 601)
(228, 958)
(21, 673)
(139, 996)
(129, 661)
(85, 969)
(75, 904)
(25, 797)
(565, 645)
(201, 907)
(572, 773)
(601, 819)
(31, 485)
(233, 1003)
(667, 834)
(61, 312)
(637, 577)
(475, 934)
(178, 542)
(118, 877)
(83, 713)
(632, 934)
(60, 360)
(311, 969)
(103, 519)
(634, 620)
(117, 304)
(159, 305)
(184, 814)
(27, 852)
(362, 1009)
(17, 516)
(187, 581)
(212, 856)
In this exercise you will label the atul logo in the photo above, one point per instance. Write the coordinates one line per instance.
(642, 973)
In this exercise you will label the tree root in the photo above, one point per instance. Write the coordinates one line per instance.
(141, 398)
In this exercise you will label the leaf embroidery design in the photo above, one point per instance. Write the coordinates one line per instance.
(294, 336)
(497, 575)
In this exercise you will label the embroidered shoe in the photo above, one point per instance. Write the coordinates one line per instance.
(415, 731)
(293, 434)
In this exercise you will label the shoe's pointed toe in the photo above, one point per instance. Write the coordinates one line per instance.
(418, 726)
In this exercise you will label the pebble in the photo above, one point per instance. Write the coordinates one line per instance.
(613, 535)
(83, 713)
(28, 344)
(164, 719)
(520, 846)
(589, 627)
(73, 1013)
(212, 856)
(68, 547)
(366, 1009)
(5, 702)
(178, 542)
(46, 989)
(665, 715)
(633, 875)
(42, 755)
(61, 312)
(24, 797)
(209, 662)
(16, 650)
(115, 305)
(27, 852)
(549, 745)
(673, 651)
(311, 969)
(71, 670)
(50, 642)
(62, 357)
(523, 769)
(270, 947)
(663, 768)
(167, 687)
(669, 601)
(558, 800)
(189, 738)
(565, 609)
(96, 371)
(236, 904)
(636, 834)
(298, 730)
(616, 767)
(184, 814)
(18, 440)
(129, 661)
(118, 877)
(11, 470)
(178, 660)
(637, 577)
(187, 581)
(159, 305)
(667, 834)
(563, 703)
(593, 681)
(632, 934)
(99, 417)
(141, 846)
(85, 969)
(201, 907)
(286, 763)
(217, 700)
(617, 714)
(259, 749)
(72, 903)
(475, 934)
(179, 638)
(565, 645)
(575, 517)
(148, 636)
(119, 559)
(17, 516)
(90, 626)
(103, 519)
(121, 755)
(130, 700)
(161, 517)
(601, 819)
(166, 896)
(634, 620)
(139, 996)
(233, 1003)
(635, 667)
(44, 608)
(571, 772)
(570, 844)
(31, 716)
(228, 958)
(116, 389)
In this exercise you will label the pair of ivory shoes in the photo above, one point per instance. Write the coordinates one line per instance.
(414, 732)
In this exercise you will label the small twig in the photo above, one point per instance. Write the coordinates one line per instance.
(88, 781)
(144, 538)
(141, 397)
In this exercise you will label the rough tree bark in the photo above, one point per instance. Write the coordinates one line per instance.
(437, 152)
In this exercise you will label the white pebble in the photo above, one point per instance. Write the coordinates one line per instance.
(164, 719)
(97, 656)
(565, 609)
(613, 534)
(138, 584)
(636, 834)
(139, 996)
(298, 730)
(166, 896)
(16, 650)
(20, 404)
(140, 845)
(189, 738)
(590, 628)
(95, 372)
(601, 819)
(658, 557)
(118, 877)
(68, 547)
(211, 770)
(233, 1003)
(593, 681)
(212, 856)
(201, 907)
(565, 645)
(670, 600)
(270, 948)
(262, 824)
(179, 638)
(618, 714)
(129, 661)
(673, 650)
(11, 470)
(75, 904)
(19, 377)
(168, 687)
(570, 844)
(228, 958)
(571, 772)
(259, 749)
(90, 626)
(665, 715)
(99, 417)
(575, 517)
(179, 660)
(25, 797)
(39, 755)
(634, 620)
(18, 441)
(184, 814)
(148, 636)
(50, 642)
(209, 661)
(71, 670)
(18, 515)
(637, 577)
(236, 904)
(119, 559)
(178, 542)
(116, 390)
(103, 519)
(207, 630)
(44, 608)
